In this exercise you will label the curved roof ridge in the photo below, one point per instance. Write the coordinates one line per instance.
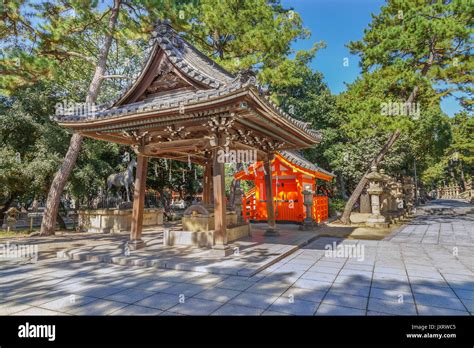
(188, 58)
(298, 159)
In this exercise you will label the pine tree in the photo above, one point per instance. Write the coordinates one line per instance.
(423, 43)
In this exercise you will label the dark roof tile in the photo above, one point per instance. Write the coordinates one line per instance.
(298, 159)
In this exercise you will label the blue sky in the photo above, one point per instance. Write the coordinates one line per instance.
(337, 22)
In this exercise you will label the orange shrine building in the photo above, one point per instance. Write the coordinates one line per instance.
(291, 174)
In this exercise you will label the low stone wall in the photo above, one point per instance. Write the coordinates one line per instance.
(198, 230)
(359, 218)
(201, 223)
(203, 238)
(114, 220)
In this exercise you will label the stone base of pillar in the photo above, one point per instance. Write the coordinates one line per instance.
(395, 215)
(271, 232)
(136, 244)
(378, 224)
(220, 250)
(308, 225)
(377, 220)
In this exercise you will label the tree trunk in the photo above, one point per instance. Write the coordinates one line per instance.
(360, 186)
(5, 207)
(463, 178)
(54, 195)
(48, 223)
(345, 218)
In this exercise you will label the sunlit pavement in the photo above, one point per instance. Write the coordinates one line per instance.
(426, 268)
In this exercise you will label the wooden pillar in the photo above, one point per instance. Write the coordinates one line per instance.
(271, 231)
(207, 179)
(220, 223)
(138, 203)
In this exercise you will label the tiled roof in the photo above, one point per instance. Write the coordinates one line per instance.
(298, 159)
(195, 65)
(188, 59)
(167, 101)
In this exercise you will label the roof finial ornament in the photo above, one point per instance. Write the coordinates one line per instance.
(246, 77)
(166, 36)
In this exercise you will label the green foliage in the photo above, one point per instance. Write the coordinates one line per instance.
(311, 101)
(250, 34)
(412, 48)
(336, 205)
(456, 163)
(49, 52)
(174, 175)
(97, 161)
(462, 126)
(30, 143)
(421, 41)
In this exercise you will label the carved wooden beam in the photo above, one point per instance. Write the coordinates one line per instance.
(108, 137)
(170, 145)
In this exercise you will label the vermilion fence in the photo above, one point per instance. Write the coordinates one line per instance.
(248, 205)
(320, 208)
(320, 211)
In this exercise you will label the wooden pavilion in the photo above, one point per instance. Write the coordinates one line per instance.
(291, 174)
(183, 106)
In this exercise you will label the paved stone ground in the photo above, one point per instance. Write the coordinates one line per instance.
(457, 228)
(249, 255)
(386, 277)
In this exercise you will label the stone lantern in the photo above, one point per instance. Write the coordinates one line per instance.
(469, 188)
(393, 203)
(308, 223)
(385, 197)
(11, 218)
(375, 190)
(399, 197)
(408, 189)
(238, 204)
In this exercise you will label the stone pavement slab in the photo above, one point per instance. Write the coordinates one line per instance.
(233, 309)
(293, 306)
(326, 309)
(137, 310)
(97, 307)
(218, 294)
(253, 300)
(196, 306)
(159, 301)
